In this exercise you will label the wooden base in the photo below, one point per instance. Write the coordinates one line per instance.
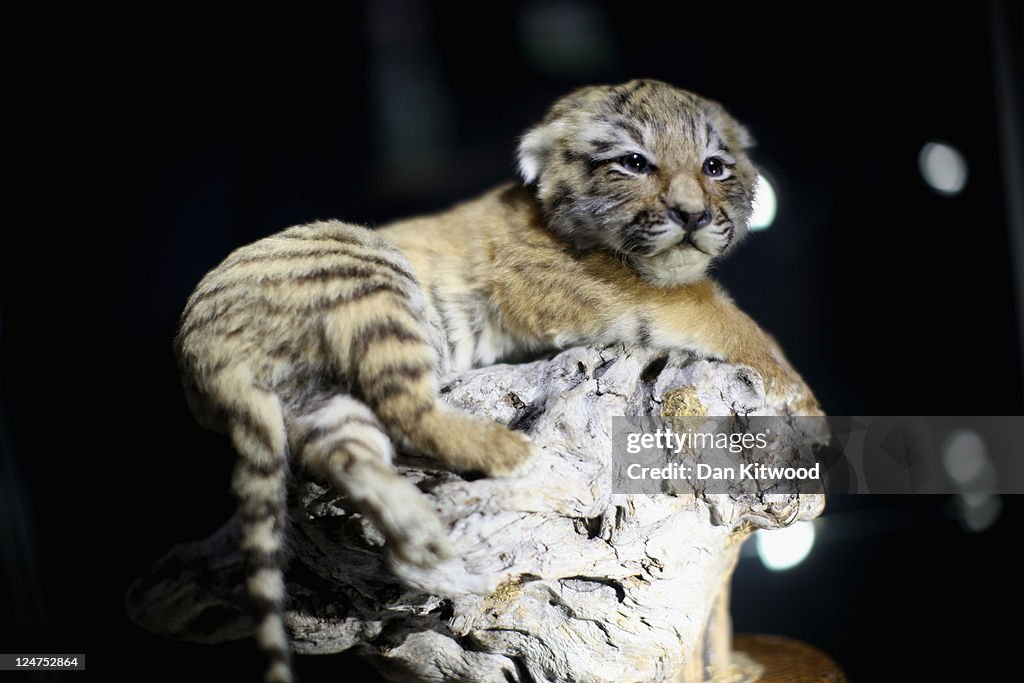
(788, 661)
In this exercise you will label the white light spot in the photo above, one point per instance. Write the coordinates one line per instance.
(979, 511)
(943, 168)
(764, 205)
(974, 499)
(964, 456)
(785, 548)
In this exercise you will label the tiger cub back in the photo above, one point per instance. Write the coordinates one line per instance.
(314, 346)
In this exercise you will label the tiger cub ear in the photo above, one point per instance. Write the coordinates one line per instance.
(742, 135)
(535, 148)
(735, 133)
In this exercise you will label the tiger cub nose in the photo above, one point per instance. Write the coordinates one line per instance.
(689, 220)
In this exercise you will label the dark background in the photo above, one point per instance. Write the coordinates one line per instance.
(155, 152)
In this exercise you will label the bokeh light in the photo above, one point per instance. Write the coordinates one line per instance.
(964, 457)
(781, 549)
(943, 168)
(765, 205)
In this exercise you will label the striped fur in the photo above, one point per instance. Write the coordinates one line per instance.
(324, 344)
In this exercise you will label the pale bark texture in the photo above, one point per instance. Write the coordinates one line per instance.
(554, 578)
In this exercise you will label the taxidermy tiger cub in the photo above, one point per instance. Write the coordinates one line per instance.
(323, 344)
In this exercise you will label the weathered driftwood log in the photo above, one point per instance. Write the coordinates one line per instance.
(554, 577)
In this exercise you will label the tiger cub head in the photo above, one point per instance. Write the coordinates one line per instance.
(656, 174)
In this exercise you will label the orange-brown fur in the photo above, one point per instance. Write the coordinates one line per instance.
(548, 294)
(323, 345)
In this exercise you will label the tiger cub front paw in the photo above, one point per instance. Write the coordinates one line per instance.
(508, 452)
(783, 385)
(471, 443)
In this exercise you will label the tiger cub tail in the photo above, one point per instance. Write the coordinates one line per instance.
(257, 430)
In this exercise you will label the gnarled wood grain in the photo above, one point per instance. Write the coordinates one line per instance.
(554, 577)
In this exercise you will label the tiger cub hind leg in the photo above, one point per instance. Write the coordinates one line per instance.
(394, 370)
(343, 442)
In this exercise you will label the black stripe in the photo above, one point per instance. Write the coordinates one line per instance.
(475, 319)
(561, 197)
(326, 274)
(622, 97)
(277, 655)
(190, 326)
(294, 348)
(632, 130)
(449, 334)
(241, 416)
(202, 295)
(368, 336)
(262, 606)
(318, 433)
(343, 445)
(263, 306)
(326, 254)
(255, 560)
(258, 282)
(420, 410)
(583, 300)
(379, 393)
(252, 511)
(262, 468)
(384, 263)
(366, 290)
(314, 435)
(643, 332)
(407, 370)
(319, 237)
(571, 158)
(711, 134)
